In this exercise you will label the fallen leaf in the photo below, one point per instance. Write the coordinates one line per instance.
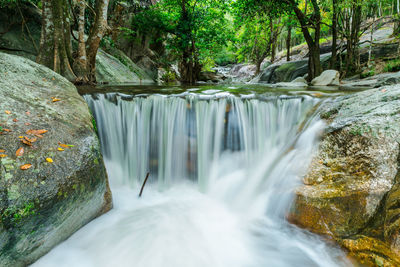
(27, 123)
(63, 145)
(49, 160)
(60, 149)
(6, 130)
(8, 112)
(20, 152)
(2, 150)
(20, 137)
(3, 155)
(26, 142)
(56, 99)
(38, 135)
(36, 132)
(53, 79)
(28, 113)
(32, 140)
(383, 90)
(26, 166)
(15, 120)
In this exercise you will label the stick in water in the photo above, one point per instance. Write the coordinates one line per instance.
(144, 183)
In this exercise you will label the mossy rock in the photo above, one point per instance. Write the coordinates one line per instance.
(352, 186)
(45, 204)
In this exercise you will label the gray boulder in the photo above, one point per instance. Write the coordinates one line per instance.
(351, 191)
(46, 203)
(327, 78)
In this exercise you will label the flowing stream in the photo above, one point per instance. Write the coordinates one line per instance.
(222, 173)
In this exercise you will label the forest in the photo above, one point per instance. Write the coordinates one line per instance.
(197, 36)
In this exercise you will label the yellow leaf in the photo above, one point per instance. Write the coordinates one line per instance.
(60, 149)
(3, 155)
(20, 152)
(55, 99)
(26, 166)
(2, 151)
(49, 160)
(63, 145)
(20, 137)
(8, 112)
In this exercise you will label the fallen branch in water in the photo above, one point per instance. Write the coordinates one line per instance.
(144, 183)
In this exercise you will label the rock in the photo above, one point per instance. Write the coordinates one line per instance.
(327, 78)
(206, 76)
(355, 168)
(13, 38)
(292, 85)
(287, 71)
(300, 80)
(119, 70)
(44, 205)
(360, 84)
(371, 251)
(392, 218)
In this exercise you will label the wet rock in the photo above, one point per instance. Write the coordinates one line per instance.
(207, 76)
(351, 187)
(327, 78)
(371, 252)
(44, 205)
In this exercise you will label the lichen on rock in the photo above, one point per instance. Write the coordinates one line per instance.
(351, 187)
(45, 204)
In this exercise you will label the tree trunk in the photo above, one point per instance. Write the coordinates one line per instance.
(334, 34)
(80, 62)
(314, 68)
(288, 42)
(97, 33)
(55, 43)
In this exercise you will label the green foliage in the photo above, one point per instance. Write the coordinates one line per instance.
(392, 66)
(200, 28)
(169, 76)
(368, 73)
(15, 215)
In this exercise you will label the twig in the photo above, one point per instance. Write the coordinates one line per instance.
(144, 183)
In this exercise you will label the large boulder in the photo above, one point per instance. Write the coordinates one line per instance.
(327, 78)
(119, 69)
(351, 191)
(65, 186)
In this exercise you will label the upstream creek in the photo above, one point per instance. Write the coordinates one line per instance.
(223, 164)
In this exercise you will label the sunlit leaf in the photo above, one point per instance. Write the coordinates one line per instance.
(26, 142)
(8, 112)
(20, 152)
(60, 149)
(26, 166)
(49, 160)
(36, 132)
(31, 140)
(63, 145)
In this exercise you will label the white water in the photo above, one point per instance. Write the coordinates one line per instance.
(222, 175)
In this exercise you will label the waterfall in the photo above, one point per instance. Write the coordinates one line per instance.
(222, 173)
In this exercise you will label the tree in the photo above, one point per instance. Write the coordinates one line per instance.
(193, 31)
(55, 43)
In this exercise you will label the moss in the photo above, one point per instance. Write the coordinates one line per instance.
(15, 215)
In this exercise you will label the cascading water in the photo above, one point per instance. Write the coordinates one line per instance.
(223, 169)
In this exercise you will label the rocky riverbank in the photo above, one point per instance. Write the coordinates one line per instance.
(52, 176)
(351, 192)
